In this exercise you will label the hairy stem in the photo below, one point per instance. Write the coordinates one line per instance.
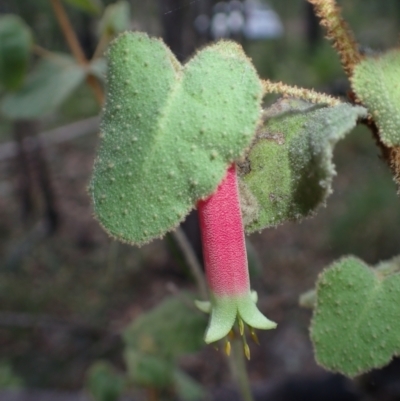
(339, 32)
(302, 93)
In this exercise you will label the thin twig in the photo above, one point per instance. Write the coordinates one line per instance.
(53, 136)
(192, 261)
(101, 45)
(68, 32)
(301, 93)
(76, 48)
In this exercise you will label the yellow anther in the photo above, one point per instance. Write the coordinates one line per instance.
(231, 335)
(254, 336)
(247, 351)
(241, 326)
(228, 348)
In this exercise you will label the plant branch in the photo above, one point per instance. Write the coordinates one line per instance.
(76, 48)
(339, 32)
(302, 93)
(237, 366)
(68, 32)
(101, 45)
(192, 261)
(97, 89)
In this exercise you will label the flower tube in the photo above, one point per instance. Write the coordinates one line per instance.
(225, 256)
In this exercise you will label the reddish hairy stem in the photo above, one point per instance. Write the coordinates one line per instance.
(223, 239)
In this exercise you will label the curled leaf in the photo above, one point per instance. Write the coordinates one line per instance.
(288, 171)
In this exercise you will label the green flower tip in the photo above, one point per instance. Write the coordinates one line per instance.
(228, 312)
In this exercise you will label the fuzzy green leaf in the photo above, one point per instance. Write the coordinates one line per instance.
(89, 6)
(173, 328)
(15, 48)
(169, 132)
(289, 170)
(45, 89)
(356, 320)
(376, 83)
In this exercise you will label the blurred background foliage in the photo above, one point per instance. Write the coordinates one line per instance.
(67, 292)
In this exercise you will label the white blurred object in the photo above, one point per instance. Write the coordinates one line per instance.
(221, 7)
(202, 23)
(236, 5)
(219, 26)
(236, 22)
(253, 19)
(261, 22)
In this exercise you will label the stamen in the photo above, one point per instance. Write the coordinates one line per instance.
(246, 347)
(228, 348)
(254, 336)
(241, 326)
(246, 351)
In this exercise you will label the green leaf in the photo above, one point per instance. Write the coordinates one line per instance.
(116, 18)
(356, 320)
(169, 132)
(15, 48)
(46, 88)
(104, 383)
(288, 171)
(90, 6)
(173, 328)
(8, 378)
(376, 83)
(148, 370)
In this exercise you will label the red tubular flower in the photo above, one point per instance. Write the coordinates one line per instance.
(226, 266)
